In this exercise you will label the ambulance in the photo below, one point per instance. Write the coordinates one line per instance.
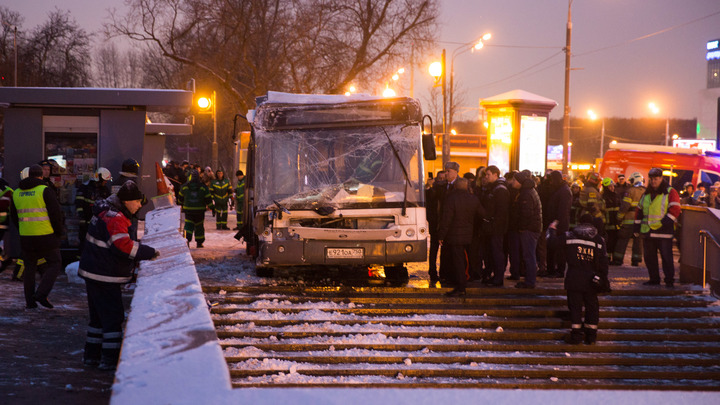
(679, 165)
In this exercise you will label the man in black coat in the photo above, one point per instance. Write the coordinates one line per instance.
(494, 226)
(528, 212)
(456, 231)
(586, 276)
(558, 210)
(432, 198)
(451, 175)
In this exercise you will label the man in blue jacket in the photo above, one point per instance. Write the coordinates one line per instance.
(107, 261)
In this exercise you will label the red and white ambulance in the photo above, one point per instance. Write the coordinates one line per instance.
(680, 165)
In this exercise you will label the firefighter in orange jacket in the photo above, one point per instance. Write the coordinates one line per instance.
(657, 213)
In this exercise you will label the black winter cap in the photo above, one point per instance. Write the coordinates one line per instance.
(129, 192)
(35, 171)
(655, 172)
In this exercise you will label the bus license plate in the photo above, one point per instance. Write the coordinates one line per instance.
(345, 253)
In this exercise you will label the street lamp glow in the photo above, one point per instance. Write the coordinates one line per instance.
(454, 132)
(592, 115)
(654, 108)
(479, 45)
(388, 92)
(614, 142)
(396, 77)
(435, 69)
(352, 89)
(401, 70)
(675, 136)
(486, 36)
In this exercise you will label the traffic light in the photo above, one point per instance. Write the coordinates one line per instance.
(204, 104)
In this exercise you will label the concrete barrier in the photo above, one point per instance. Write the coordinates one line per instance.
(170, 352)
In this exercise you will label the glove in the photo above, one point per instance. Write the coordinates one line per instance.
(155, 255)
(667, 222)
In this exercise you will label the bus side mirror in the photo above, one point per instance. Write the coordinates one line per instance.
(428, 140)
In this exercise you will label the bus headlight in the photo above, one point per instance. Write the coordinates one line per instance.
(410, 232)
(408, 248)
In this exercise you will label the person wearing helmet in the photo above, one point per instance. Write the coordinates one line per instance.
(195, 199)
(626, 217)
(612, 206)
(687, 193)
(128, 171)
(621, 187)
(591, 202)
(85, 198)
(657, 213)
(220, 190)
(575, 205)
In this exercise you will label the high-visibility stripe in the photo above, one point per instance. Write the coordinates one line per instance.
(93, 340)
(104, 279)
(591, 326)
(90, 329)
(660, 235)
(581, 242)
(576, 326)
(27, 210)
(112, 335)
(118, 236)
(111, 345)
(671, 216)
(33, 219)
(96, 242)
(134, 250)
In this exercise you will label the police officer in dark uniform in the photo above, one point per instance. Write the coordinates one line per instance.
(37, 212)
(587, 273)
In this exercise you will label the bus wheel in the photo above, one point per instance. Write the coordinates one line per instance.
(396, 273)
(264, 271)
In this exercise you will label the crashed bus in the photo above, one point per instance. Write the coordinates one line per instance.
(337, 181)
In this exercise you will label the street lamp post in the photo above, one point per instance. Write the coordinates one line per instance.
(477, 45)
(209, 106)
(566, 111)
(437, 70)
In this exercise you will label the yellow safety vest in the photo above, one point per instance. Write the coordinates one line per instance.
(32, 212)
(653, 211)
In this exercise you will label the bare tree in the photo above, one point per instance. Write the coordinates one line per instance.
(435, 103)
(58, 53)
(118, 69)
(9, 21)
(250, 47)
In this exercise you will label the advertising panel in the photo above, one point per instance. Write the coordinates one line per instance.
(533, 131)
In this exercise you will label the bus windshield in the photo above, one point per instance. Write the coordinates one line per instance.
(341, 167)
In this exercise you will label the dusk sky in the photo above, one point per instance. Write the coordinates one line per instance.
(618, 73)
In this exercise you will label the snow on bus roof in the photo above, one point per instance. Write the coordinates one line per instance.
(291, 98)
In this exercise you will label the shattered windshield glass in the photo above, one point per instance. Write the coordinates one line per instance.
(338, 168)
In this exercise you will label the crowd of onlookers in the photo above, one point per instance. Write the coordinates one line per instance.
(508, 223)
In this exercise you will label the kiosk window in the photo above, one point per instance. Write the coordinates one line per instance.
(76, 157)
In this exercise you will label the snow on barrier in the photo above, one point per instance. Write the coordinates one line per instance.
(170, 353)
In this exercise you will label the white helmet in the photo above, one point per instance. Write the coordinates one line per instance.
(637, 179)
(24, 173)
(103, 173)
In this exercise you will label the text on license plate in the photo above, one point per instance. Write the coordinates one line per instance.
(345, 253)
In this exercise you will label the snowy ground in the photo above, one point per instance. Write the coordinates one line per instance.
(223, 262)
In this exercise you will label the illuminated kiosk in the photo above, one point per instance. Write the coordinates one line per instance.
(518, 126)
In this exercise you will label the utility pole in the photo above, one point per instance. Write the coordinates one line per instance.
(566, 112)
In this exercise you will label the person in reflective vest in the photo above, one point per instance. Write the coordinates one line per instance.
(657, 213)
(5, 201)
(220, 189)
(612, 206)
(239, 198)
(37, 212)
(195, 198)
(107, 262)
(626, 217)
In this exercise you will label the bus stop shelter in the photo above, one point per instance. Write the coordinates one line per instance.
(86, 128)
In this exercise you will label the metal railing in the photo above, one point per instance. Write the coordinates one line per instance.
(704, 236)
